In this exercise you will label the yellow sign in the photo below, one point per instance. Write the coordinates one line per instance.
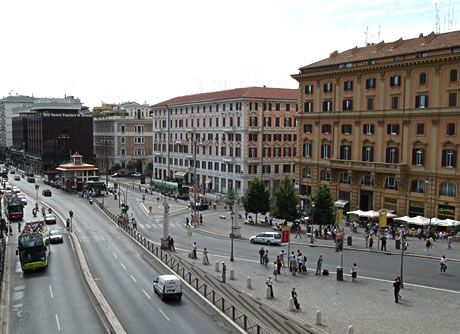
(383, 218)
(339, 217)
(286, 227)
(189, 234)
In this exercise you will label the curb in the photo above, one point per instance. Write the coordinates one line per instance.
(5, 296)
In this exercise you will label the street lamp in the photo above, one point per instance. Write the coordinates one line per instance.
(312, 221)
(403, 248)
(232, 214)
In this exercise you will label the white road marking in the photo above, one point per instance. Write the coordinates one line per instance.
(146, 294)
(121, 263)
(18, 267)
(57, 321)
(141, 225)
(51, 292)
(164, 315)
(115, 255)
(132, 277)
(148, 225)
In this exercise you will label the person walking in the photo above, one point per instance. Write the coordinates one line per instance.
(278, 265)
(366, 238)
(371, 242)
(270, 285)
(383, 246)
(298, 232)
(201, 219)
(319, 263)
(396, 288)
(299, 262)
(293, 265)
(443, 264)
(282, 258)
(261, 255)
(354, 272)
(205, 256)
(266, 259)
(428, 247)
(134, 223)
(449, 241)
(275, 270)
(194, 250)
(171, 245)
(19, 227)
(294, 297)
(224, 272)
(186, 222)
(304, 265)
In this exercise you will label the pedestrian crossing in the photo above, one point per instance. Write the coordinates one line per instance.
(157, 225)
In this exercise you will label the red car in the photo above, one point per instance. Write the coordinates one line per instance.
(117, 175)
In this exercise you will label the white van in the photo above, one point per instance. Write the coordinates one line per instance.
(168, 286)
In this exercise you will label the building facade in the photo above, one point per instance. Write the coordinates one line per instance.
(123, 135)
(378, 126)
(227, 138)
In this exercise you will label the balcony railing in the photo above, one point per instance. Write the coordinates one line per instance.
(228, 159)
(367, 165)
(254, 128)
(253, 160)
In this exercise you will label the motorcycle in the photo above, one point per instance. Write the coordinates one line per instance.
(34, 212)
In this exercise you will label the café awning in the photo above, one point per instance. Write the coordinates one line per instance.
(340, 203)
(180, 174)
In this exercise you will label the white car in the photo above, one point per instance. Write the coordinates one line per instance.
(269, 238)
(56, 236)
(168, 286)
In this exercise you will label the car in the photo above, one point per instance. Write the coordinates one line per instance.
(50, 219)
(136, 174)
(17, 178)
(12, 172)
(56, 236)
(117, 175)
(31, 179)
(269, 238)
(46, 192)
(168, 286)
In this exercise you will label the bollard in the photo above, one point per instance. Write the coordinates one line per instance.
(351, 330)
(267, 293)
(318, 318)
(291, 305)
(217, 266)
(248, 283)
(232, 274)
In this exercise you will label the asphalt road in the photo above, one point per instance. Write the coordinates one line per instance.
(50, 301)
(125, 272)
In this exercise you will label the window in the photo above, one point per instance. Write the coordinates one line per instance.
(392, 155)
(277, 122)
(390, 183)
(394, 102)
(139, 128)
(368, 153)
(138, 140)
(326, 128)
(347, 105)
(308, 89)
(327, 88)
(307, 128)
(450, 129)
(308, 107)
(345, 152)
(286, 168)
(277, 152)
(417, 186)
(325, 151)
(397, 58)
(122, 140)
(452, 99)
(420, 129)
(123, 128)
(288, 107)
(395, 81)
(252, 152)
(418, 156)
(287, 122)
(325, 176)
(370, 103)
(368, 129)
(422, 78)
(346, 129)
(327, 105)
(421, 101)
(267, 152)
(268, 121)
(277, 169)
(348, 85)
(277, 107)
(448, 189)
(449, 158)
(123, 151)
(453, 75)
(344, 177)
(287, 152)
(393, 129)
(307, 173)
(367, 180)
(307, 150)
(370, 83)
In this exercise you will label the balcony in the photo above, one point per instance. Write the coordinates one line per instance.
(378, 167)
(253, 160)
(189, 156)
(229, 129)
(228, 159)
(254, 128)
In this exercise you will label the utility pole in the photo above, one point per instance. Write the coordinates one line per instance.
(164, 240)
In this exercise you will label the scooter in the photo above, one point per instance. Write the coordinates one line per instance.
(34, 212)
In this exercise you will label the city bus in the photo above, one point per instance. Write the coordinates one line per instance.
(14, 208)
(34, 246)
(173, 189)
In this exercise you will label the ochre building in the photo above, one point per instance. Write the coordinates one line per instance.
(378, 125)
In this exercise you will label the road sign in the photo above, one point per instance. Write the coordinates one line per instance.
(339, 216)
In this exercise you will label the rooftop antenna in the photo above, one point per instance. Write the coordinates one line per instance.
(366, 34)
(378, 36)
(437, 25)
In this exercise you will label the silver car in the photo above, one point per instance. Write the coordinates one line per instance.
(56, 236)
(269, 238)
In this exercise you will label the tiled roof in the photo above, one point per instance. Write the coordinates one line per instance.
(238, 93)
(383, 50)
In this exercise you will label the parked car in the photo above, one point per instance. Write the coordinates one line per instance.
(46, 192)
(12, 172)
(50, 219)
(117, 175)
(168, 286)
(136, 174)
(31, 179)
(269, 238)
(17, 178)
(56, 236)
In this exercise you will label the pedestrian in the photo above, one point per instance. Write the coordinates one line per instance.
(374, 228)
(383, 246)
(275, 270)
(266, 259)
(278, 265)
(246, 215)
(261, 255)
(171, 245)
(282, 258)
(443, 264)
(19, 227)
(298, 232)
(371, 242)
(10, 229)
(366, 238)
(271, 220)
(354, 272)
(304, 265)
(299, 262)
(397, 287)
(205, 256)
(294, 297)
(293, 265)
(134, 223)
(419, 233)
(319, 263)
(270, 285)
(194, 249)
(449, 241)
(427, 247)
(224, 272)
(325, 233)
(201, 219)
(186, 222)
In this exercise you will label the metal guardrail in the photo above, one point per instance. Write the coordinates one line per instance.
(2, 262)
(237, 316)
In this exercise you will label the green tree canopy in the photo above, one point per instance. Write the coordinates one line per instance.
(323, 212)
(231, 196)
(285, 201)
(131, 165)
(257, 198)
(115, 167)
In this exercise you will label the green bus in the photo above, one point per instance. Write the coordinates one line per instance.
(34, 246)
(173, 189)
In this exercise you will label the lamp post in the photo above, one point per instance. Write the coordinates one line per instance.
(403, 248)
(232, 215)
(312, 221)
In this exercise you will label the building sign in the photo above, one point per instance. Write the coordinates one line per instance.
(390, 203)
(446, 212)
(416, 208)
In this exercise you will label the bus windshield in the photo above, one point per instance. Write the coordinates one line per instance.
(33, 254)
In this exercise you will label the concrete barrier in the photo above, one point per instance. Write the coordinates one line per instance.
(232, 274)
(217, 266)
(248, 282)
(351, 330)
(318, 318)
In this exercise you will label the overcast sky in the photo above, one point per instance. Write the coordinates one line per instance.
(149, 51)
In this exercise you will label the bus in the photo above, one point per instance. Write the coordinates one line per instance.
(34, 246)
(173, 189)
(14, 208)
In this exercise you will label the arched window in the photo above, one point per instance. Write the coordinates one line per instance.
(417, 186)
(325, 175)
(448, 189)
(422, 78)
(307, 173)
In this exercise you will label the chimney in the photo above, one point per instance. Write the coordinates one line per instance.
(334, 54)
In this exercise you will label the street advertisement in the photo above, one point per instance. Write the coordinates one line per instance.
(383, 218)
(285, 234)
(339, 242)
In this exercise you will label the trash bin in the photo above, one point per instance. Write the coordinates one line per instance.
(349, 238)
(398, 244)
(339, 273)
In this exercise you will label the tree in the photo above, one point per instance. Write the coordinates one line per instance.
(285, 201)
(115, 167)
(257, 198)
(149, 168)
(131, 165)
(323, 212)
(231, 196)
